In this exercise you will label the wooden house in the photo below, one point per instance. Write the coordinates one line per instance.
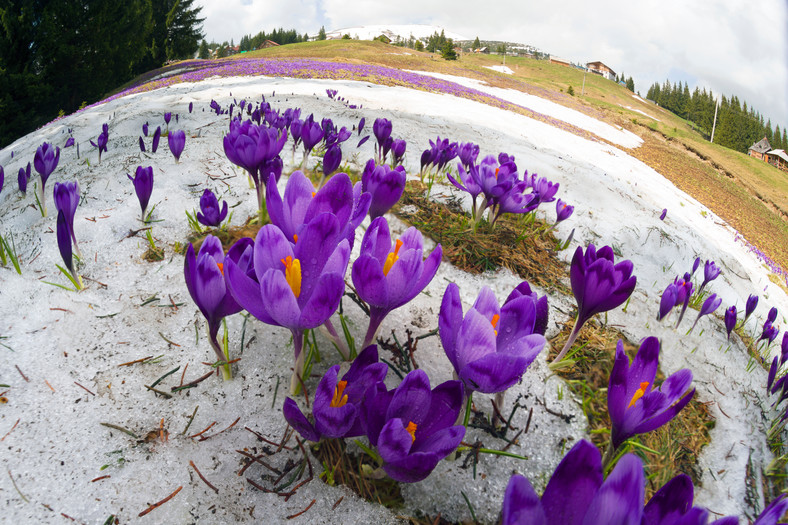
(266, 44)
(560, 61)
(760, 149)
(601, 69)
(777, 158)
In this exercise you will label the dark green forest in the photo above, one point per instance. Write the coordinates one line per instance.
(738, 126)
(58, 55)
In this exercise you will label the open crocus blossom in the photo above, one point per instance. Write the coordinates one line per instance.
(598, 285)
(66, 200)
(143, 186)
(295, 285)
(210, 214)
(386, 275)
(491, 346)
(634, 405)
(385, 186)
(45, 161)
(176, 140)
(577, 493)
(382, 129)
(204, 275)
(563, 211)
(300, 203)
(413, 426)
(339, 402)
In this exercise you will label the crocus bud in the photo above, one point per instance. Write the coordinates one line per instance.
(563, 211)
(176, 140)
(156, 139)
(663, 214)
(730, 320)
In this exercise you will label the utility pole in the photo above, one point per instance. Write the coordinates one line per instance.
(714, 125)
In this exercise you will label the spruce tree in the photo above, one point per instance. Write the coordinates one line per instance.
(476, 44)
(321, 35)
(203, 52)
(447, 51)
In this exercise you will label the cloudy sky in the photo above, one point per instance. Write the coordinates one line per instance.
(734, 47)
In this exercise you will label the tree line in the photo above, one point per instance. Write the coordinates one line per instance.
(58, 55)
(738, 126)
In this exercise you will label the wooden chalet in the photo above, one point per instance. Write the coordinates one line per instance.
(760, 149)
(778, 158)
(266, 44)
(560, 61)
(601, 69)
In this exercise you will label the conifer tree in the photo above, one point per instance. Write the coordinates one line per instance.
(321, 35)
(477, 44)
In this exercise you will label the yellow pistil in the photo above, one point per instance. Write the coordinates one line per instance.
(411, 428)
(221, 267)
(640, 392)
(494, 322)
(392, 258)
(339, 399)
(293, 274)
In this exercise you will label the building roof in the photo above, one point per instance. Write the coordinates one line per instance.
(761, 147)
(599, 65)
(779, 153)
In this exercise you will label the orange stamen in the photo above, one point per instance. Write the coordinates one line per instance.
(221, 267)
(411, 428)
(494, 322)
(339, 400)
(293, 274)
(392, 258)
(295, 237)
(640, 392)
(496, 173)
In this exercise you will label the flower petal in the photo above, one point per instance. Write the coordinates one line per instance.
(521, 503)
(579, 474)
(298, 421)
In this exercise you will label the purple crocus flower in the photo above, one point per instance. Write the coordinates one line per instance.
(514, 200)
(398, 147)
(695, 265)
(468, 183)
(297, 286)
(143, 186)
(156, 139)
(101, 141)
(490, 347)
(468, 153)
(668, 300)
(311, 135)
(176, 141)
(672, 505)
(45, 161)
(382, 131)
(773, 512)
(387, 276)
(634, 405)
(577, 493)
(300, 204)
(598, 284)
(204, 275)
(339, 403)
(663, 214)
(66, 196)
(563, 211)
(23, 177)
(331, 160)
(363, 141)
(544, 188)
(385, 186)
(752, 304)
(64, 242)
(772, 315)
(142, 145)
(730, 320)
(167, 117)
(145, 129)
(710, 305)
(413, 426)
(69, 142)
(710, 272)
(2, 178)
(361, 125)
(769, 332)
(191, 106)
(210, 214)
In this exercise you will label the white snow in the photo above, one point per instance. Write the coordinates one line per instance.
(641, 112)
(501, 69)
(616, 135)
(59, 338)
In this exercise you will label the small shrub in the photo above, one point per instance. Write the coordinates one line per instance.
(571, 91)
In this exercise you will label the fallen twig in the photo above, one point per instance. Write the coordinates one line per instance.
(160, 503)
(203, 477)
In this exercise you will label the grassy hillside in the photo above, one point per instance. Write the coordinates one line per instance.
(750, 195)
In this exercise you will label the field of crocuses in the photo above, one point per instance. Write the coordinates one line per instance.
(307, 317)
